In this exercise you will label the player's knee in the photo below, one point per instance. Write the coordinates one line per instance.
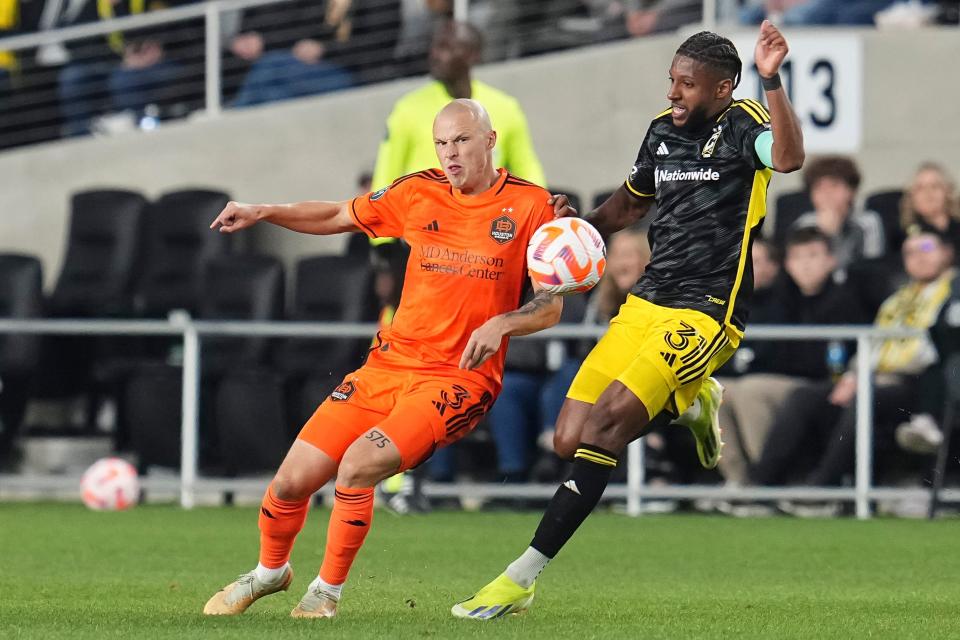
(565, 443)
(607, 427)
(290, 487)
(362, 467)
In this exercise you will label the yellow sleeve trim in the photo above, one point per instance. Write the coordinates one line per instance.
(637, 193)
(759, 107)
(749, 109)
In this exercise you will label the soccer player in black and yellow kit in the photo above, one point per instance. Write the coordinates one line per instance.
(707, 161)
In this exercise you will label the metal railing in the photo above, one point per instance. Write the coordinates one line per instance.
(635, 490)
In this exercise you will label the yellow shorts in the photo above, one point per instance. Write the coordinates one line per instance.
(662, 355)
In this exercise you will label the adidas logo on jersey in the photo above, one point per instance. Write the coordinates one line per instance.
(662, 149)
(433, 226)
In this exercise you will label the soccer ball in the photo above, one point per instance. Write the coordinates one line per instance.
(566, 255)
(110, 484)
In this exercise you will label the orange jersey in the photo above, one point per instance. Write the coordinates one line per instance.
(467, 261)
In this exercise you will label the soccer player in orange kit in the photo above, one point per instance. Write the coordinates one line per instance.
(433, 374)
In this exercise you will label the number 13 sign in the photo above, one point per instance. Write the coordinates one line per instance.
(823, 75)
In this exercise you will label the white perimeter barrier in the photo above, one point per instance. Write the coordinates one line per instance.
(193, 331)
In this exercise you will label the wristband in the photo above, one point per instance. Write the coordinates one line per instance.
(772, 83)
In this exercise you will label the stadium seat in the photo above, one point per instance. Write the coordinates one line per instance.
(314, 366)
(21, 296)
(101, 254)
(874, 281)
(252, 428)
(887, 204)
(99, 267)
(177, 245)
(234, 288)
(789, 206)
(152, 414)
(239, 288)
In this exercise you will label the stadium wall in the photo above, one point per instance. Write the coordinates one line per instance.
(588, 110)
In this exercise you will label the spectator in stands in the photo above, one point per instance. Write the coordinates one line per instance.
(9, 26)
(456, 47)
(765, 308)
(813, 12)
(930, 203)
(658, 16)
(808, 295)
(120, 71)
(285, 47)
(896, 365)
(419, 19)
(832, 182)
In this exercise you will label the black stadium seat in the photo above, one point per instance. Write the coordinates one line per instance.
(177, 245)
(101, 254)
(314, 366)
(789, 206)
(887, 205)
(21, 296)
(234, 288)
(95, 281)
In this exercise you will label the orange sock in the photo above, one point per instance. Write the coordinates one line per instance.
(349, 523)
(280, 522)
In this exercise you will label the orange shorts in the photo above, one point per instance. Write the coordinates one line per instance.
(419, 410)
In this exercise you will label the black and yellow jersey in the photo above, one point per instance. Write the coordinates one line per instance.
(711, 189)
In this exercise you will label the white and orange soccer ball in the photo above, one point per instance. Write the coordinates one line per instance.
(566, 255)
(110, 484)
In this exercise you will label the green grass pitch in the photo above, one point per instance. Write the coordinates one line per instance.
(71, 573)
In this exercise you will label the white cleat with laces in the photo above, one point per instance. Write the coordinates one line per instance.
(236, 597)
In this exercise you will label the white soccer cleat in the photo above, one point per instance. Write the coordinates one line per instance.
(236, 597)
(317, 603)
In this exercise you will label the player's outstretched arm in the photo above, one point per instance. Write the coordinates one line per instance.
(312, 216)
(788, 154)
(540, 313)
(617, 212)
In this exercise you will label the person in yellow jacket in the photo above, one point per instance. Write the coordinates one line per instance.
(408, 146)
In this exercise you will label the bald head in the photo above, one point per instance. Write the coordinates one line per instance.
(466, 111)
(464, 139)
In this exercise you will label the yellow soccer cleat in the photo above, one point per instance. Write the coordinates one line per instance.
(236, 597)
(705, 425)
(500, 597)
(315, 604)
